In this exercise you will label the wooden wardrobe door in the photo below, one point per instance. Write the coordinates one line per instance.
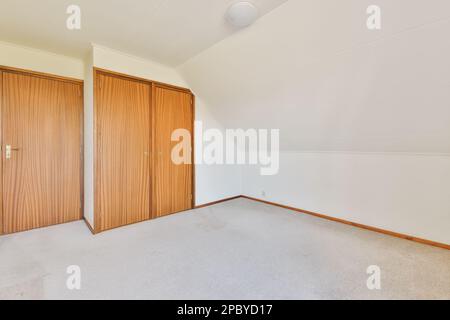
(123, 158)
(172, 191)
(42, 121)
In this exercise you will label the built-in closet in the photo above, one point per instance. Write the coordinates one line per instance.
(136, 178)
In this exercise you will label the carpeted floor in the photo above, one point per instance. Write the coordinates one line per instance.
(235, 250)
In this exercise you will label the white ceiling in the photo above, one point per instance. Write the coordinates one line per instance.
(312, 69)
(166, 31)
(309, 67)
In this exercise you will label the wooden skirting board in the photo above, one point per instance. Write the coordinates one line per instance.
(217, 202)
(350, 223)
(88, 225)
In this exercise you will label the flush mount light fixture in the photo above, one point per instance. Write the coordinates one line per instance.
(242, 14)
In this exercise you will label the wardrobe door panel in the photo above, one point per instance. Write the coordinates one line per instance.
(123, 150)
(41, 133)
(172, 190)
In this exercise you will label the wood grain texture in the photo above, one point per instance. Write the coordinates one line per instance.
(123, 151)
(41, 74)
(149, 81)
(173, 187)
(41, 182)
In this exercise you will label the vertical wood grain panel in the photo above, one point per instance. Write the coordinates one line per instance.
(123, 150)
(41, 182)
(173, 187)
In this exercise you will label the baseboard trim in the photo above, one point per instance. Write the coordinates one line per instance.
(354, 224)
(216, 202)
(322, 216)
(89, 225)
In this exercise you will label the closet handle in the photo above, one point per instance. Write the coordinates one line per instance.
(8, 150)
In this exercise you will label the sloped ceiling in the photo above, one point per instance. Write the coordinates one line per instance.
(312, 69)
(166, 31)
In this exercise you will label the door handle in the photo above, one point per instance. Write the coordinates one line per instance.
(8, 150)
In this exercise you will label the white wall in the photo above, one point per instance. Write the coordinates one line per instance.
(113, 60)
(89, 140)
(312, 69)
(213, 182)
(12, 55)
(406, 193)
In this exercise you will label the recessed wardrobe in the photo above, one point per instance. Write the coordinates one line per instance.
(135, 177)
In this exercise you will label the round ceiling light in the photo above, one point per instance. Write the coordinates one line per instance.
(242, 14)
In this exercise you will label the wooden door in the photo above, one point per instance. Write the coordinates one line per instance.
(123, 150)
(173, 187)
(42, 122)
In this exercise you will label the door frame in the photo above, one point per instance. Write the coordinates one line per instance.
(153, 84)
(6, 69)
